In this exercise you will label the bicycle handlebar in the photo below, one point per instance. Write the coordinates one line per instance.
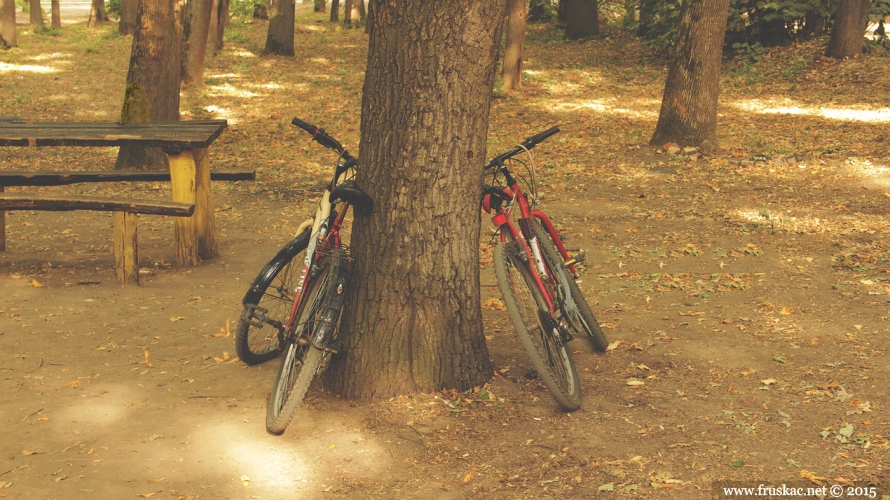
(318, 135)
(528, 143)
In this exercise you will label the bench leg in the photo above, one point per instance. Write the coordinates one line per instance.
(204, 207)
(126, 253)
(2, 227)
(182, 180)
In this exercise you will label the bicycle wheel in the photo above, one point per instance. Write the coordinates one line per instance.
(316, 320)
(582, 319)
(268, 302)
(536, 330)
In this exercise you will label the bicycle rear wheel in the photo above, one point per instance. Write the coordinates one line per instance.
(317, 319)
(537, 331)
(582, 320)
(267, 304)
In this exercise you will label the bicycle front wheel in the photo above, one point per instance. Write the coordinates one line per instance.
(582, 319)
(267, 304)
(537, 330)
(317, 319)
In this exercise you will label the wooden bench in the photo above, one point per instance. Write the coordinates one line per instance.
(124, 210)
(126, 246)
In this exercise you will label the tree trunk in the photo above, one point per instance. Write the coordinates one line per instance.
(581, 18)
(127, 24)
(7, 24)
(97, 13)
(412, 322)
(152, 89)
(689, 109)
(195, 28)
(319, 5)
(647, 14)
(351, 16)
(849, 29)
(280, 37)
(56, 14)
(36, 14)
(219, 17)
(511, 73)
(335, 11)
(538, 12)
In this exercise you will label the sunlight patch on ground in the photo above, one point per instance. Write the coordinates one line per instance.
(609, 106)
(222, 75)
(243, 53)
(789, 107)
(223, 113)
(877, 175)
(25, 68)
(103, 410)
(54, 55)
(320, 60)
(230, 91)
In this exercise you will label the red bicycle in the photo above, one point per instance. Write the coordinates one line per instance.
(537, 276)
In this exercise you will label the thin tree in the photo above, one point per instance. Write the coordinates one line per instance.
(218, 20)
(319, 5)
(511, 72)
(195, 28)
(97, 13)
(414, 321)
(153, 78)
(581, 18)
(56, 11)
(335, 11)
(7, 24)
(280, 36)
(36, 14)
(689, 108)
(127, 25)
(849, 29)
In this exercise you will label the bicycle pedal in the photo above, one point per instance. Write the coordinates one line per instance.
(581, 256)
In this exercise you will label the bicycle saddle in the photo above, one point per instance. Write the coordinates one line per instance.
(349, 191)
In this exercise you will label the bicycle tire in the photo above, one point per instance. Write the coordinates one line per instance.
(268, 302)
(589, 324)
(526, 307)
(304, 360)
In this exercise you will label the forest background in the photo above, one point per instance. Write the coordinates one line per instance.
(745, 290)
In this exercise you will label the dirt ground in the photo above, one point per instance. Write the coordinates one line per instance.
(746, 292)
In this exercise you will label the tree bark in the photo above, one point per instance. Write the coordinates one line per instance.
(196, 27)
(56, 14)
(689, 109)
(127, 25)
(280, 37)
(849, 29)
(36, 14)
(219, 17)
(581, 18)
(97, 13)
(319, 5)
(413, 321)
(511, 73)
(153, 79)
(335, 11)
(7, 24)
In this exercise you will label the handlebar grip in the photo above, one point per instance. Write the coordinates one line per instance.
(537, 138)
(310, 129)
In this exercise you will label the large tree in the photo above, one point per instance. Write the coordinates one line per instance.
(56, 14)
(36, 14)
(219, 17)
(581, 18)
(849, 29)
(280, 37)
(97, 13)
(7, 24)
(511, 73)
(689, 108)
(153, 78)
(413, 321)
(127, 24)
(195, 28)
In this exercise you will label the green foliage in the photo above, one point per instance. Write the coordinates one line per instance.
(24, 5)
(244, 8)
(113, 8)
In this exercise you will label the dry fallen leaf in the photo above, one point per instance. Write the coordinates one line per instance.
(635, 383)
(769, 381)
(36, 284)
(614, 345)
(786, 311)
(829, 385)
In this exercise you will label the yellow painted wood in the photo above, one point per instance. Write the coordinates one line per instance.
(126, 253)
(182, 180)
(206, 229)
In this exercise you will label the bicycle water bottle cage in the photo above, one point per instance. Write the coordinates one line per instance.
(493, 197)
(349, 191)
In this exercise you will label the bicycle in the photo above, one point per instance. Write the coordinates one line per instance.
(301, 298)
(537, 276)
